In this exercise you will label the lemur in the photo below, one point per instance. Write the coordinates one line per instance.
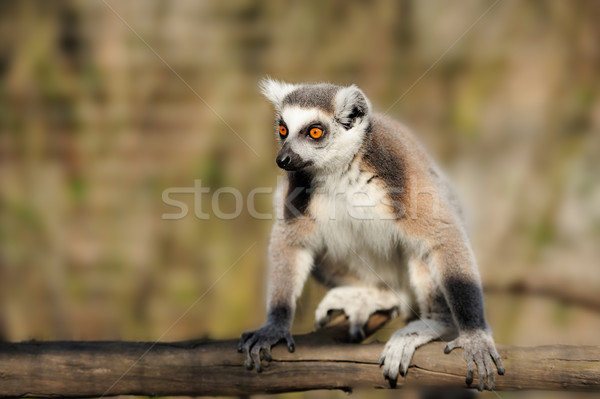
(367, 212)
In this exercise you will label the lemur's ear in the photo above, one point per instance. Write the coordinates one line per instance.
(351, 106)
(275, 91)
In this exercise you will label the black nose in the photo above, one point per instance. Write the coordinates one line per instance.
(283, 160)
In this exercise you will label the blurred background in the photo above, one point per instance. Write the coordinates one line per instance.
(104, 105)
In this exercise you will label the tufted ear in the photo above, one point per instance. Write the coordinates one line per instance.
(275, 91)
(351, 106)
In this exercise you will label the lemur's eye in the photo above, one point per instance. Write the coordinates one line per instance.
(282, 130)
(315, 132)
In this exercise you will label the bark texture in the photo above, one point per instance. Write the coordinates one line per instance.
(205, 367)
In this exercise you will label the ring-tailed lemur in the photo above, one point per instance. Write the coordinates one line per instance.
(366, 211)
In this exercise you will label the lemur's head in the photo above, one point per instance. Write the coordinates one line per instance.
(320, 126)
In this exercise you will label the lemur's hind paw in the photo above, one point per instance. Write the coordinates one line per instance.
(479, 350)
(397, 354)
(357, 303)
(253, 343)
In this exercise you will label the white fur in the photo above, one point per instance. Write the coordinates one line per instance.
(357, 303)
(275, 91)
(295, 118)
(337, 154)
(357, 228)
(345, 101)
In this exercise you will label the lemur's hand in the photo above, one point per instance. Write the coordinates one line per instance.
(479, 350)
(254, 342)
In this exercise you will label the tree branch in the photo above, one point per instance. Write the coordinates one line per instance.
(205, 367)
(549, 286)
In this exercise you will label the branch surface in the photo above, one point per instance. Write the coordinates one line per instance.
(206, 367)
(553, 287)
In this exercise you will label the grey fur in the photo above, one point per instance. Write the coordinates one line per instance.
(313, 96)
(386, 161)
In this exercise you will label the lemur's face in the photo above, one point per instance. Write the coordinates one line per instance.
(309, 138)
(320, 127)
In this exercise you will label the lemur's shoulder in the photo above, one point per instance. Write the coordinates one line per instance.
(396, 158)
(390, 136)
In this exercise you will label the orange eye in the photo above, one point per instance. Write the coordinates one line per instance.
(315, 133)
(282, 130)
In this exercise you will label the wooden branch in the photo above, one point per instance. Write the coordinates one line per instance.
(552, 287)
(194, 368)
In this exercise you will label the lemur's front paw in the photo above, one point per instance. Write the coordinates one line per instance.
(357, 303)
(479, 350)
(253, 343)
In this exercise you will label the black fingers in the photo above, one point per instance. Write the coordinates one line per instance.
(356, 336)
(470, 371)
(246, 349)
(245, 337)
(392, 381)
(498, 361)
(267, 354)
(246, 345)
(255, 343)
(290, 342)
(263, 346)
(255, 355)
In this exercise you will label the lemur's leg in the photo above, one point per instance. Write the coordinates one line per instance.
(455, 273)
(289, 268)
(435, 322)
(358, 303)
(459, 280)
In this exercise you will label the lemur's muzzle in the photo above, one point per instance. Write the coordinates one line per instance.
(289, 160)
